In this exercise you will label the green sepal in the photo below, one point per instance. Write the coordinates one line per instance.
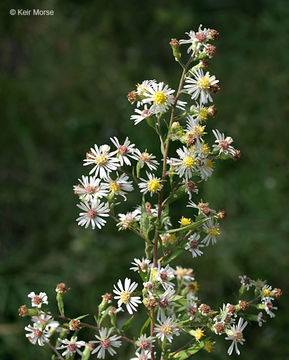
(59, 298)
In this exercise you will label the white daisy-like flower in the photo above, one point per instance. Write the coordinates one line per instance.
(213, 231)
(163, 275)
(92, 214)
(71, 346)
(126, 220)
(194, 246)
(36, 334)
(198, 85)
(105, 343)
(46, 320)
(142, 264)
(196, 39)
(194, 128)
(102, 159)
(151, 185)
(235, 333)
(90, 187)
(200, 112)
(184, 274)
(268, 306)
(124, 151)
(160, 96)
(186, 164)
(147, 159)
(144, 343)
(37, 300)
(167, 328)
(141, 89)
(124, 295)
(223, 143)
(205, 168)
(165, 301)
(246, 281)
(141, 114)
(119, 186)
(143, 355)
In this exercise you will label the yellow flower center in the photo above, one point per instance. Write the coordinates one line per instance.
(210, 164)
(214, 231)
(204, 83)
(114, 186)
(199, 130)
(125, 297)
(203, 114)
(185, 221)
(195, 286)
(167, 329)
(198, 333)
(160, 98)
(180, 272)
(266, 292)
(153, 185)
(188, 161)
(206, 149)
(101, 160)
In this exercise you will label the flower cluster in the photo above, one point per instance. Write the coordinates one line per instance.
(168, 294)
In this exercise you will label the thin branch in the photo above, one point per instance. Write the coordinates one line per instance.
(57, 353)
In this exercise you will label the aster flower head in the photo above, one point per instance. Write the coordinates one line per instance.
(185, 165)
(89, 188)
(151, 185)
(196, 39)
(159, 95)
(124, 295)
(246, 281)
(71, 347)
(198, 85)
(194, 246)
(144, 343)
(143, 355)
(37, 300)
(147, 159)
(36, 334)
(124, 151)
(223, 144)
(184, 274)
(212, 229)
(167, 328)
(102, 159)
(141, 114)
(105, 342)
(142, 265)
(165, 302)
(120, 186)
(126, 220)
(235, 333)
(163, 275)
(92, 214)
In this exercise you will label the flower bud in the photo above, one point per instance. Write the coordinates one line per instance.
(23, 311)
(222, 214)
(74, 325)
(237, 155)
(277, 293)
(243, 305)
(131, 96)
(150, 302)
(210, 50)
(204, 64)
(175, 45)
(61, 288)
(212, 110)
(214, 34)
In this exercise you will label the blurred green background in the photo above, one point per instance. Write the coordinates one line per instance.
(64, 80)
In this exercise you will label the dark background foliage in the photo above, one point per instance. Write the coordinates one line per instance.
(64, 80)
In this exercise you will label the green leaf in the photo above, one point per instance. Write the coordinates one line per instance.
(126, 324)
(81, 317)
(186, 353)
(104, 315)
(144, 221)
(145, 325)
(186, 228)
